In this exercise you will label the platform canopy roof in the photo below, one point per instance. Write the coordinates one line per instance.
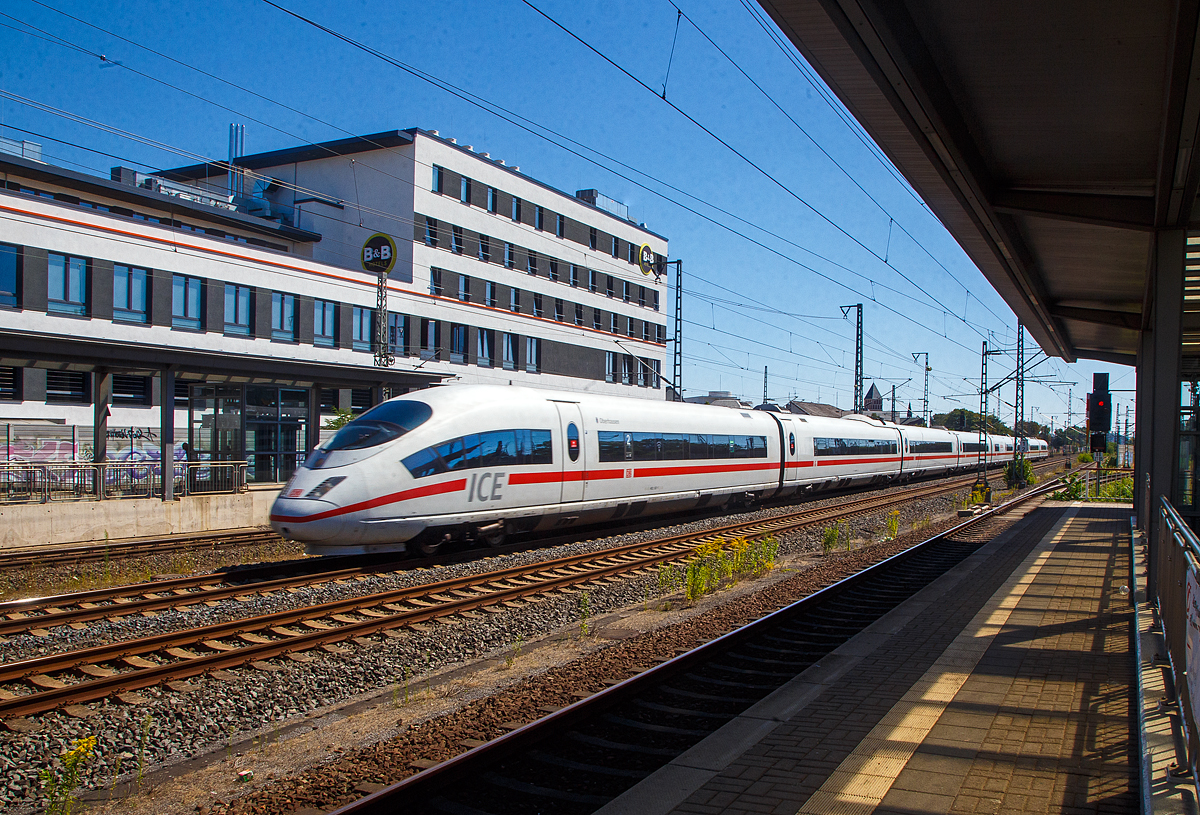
(1051, 138)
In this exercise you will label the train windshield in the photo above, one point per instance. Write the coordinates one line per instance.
(380, 424)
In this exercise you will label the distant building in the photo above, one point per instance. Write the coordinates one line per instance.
(873, 400)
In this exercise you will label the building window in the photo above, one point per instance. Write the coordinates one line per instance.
(655, 373)
(456, 240)
(324, 323)
(361, 333)
(458, 343)
(626, 290)
(67, 386)
(185, 302)
(628, 369)
(578, 314)
(489, 294)
(610, 286)
(237, 309)
(615, 324)
(660, 332)
(531, 263)
(487, 348)
(593, 280)
(554, 270)
(514, 300)
(129, 294)
(592, 237)
(574, 275)
(283, 316)
(533, 355)
(10, 384)
(493, 204)
(631, 326)
(616, 247)
(610, 366)
(537, 305)
(509, 351)
(435, 282)
(67, 285)
(597, 322)
(464, 190)
(516, 208)
(464, 288)
(396, 338)
(130, 390)
(431, 231)
(642, 296)
(510, 255)
(560, 228)
(633, 253)
(431, 339)
(645, 331)
(539, 218)
(10, 258)
(656, 299)
(485, 248)
(438, 179)
(559, 310)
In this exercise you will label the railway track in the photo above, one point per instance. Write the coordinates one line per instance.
(579, 758)
(30, 557)
(37, 685)
(39, 614)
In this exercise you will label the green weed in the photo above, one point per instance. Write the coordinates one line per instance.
(60, 785)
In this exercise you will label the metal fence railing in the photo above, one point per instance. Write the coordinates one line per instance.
(1178, 606)
(25, 483)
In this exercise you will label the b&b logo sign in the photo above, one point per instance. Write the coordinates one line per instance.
(379, 254)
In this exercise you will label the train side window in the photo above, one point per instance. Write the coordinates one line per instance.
(498, 448)
(452, 453)
(425, 463)
(645, 446)
(471, 451)
(612, 445)
(573, 441)
(674, 446)
(543, 449)
(698, 446)
(791, 444)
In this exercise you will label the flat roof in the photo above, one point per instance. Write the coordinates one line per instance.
(51, 174)
(293, 155)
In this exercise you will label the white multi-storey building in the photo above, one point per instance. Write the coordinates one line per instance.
(251, 300)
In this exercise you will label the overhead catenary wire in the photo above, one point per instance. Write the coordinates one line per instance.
(935, 331)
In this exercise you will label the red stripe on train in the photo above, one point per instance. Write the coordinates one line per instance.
(405, 495)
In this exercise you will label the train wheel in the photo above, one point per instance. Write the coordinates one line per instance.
(494, 539)
(426, 545)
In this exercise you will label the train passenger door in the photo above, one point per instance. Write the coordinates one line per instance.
(570, 421)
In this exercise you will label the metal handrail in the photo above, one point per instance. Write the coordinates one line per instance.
(56, 481)
(1178, 556)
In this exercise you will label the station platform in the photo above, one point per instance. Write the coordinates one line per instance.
(1006, 686)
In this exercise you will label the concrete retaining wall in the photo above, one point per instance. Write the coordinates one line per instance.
(76, 521)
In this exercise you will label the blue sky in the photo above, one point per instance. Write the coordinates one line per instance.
(818, 211)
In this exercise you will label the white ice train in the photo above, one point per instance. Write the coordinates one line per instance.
(479, 462)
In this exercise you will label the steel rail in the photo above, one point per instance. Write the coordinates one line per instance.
(31, 556)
